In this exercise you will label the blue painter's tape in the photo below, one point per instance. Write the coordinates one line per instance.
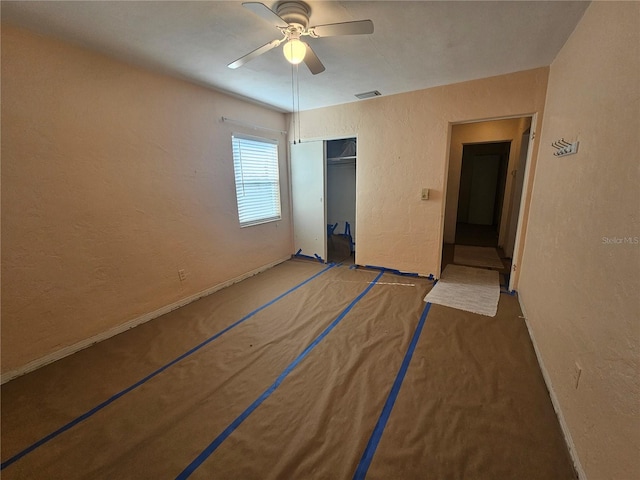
(375, 267)
(206, 453)
(507, 292)
(315, 256)
(301, 255)
(392, 270)
(376, 435)
(347, 233)
(115, 397)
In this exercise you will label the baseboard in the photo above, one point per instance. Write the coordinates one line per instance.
(76, 347)
(554, 400)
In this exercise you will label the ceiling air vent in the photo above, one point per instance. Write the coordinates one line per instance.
(371, 94)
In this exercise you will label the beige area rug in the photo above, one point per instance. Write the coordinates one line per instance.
(471, 289)
(477, 256)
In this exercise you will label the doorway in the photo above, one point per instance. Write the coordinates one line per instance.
(341, 200)
(323, 192)
(487, 190)
(482, 184)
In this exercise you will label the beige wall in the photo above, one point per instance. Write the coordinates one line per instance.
(495, 131)
(579, 292)
(113, 178)
(403, 145)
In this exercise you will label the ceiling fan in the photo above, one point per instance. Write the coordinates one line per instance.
(292, 19)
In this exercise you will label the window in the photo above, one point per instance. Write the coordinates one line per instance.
(255, 162)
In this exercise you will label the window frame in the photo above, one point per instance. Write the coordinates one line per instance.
(272, 178)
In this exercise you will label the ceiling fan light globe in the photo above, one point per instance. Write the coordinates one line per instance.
(294, 51)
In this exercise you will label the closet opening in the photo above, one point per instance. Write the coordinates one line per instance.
(341, 199)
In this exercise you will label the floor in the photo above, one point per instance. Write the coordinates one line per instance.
(304, 371)
(339, 250)
(478, 235)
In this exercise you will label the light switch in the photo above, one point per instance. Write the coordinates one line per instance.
(425, 194)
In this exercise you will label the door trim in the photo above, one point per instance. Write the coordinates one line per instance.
(525, 202)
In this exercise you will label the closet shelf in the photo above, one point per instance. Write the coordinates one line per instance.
(341, 159)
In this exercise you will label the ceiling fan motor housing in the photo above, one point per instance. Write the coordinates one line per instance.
(291, 18)
(294, 13)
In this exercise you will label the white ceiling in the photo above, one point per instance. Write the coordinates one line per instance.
(415, 45)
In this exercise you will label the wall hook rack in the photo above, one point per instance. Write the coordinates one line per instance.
(564, 148)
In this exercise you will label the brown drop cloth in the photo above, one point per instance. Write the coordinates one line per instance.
(473, 403)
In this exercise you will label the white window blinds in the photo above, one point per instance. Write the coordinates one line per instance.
(255, 162)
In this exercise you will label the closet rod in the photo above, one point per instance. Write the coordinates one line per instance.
(250, 125)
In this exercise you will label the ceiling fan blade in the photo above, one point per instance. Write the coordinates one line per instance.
(312, 61)
(360, 27)
(257, 52)
(265, 13)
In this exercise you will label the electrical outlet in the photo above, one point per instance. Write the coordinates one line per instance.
(576, 374)
(182, 274)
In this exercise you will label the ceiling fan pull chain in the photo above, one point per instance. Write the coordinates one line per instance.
(293, 106)
(298, 86)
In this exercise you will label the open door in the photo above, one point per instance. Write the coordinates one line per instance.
(308, 199)
(517, 194)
